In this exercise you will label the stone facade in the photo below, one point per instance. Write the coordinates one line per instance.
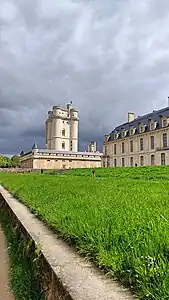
(48, 159)
(141, 141)
(62, 129)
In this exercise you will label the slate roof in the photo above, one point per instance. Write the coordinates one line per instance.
(154, 116)
(35, 146)
(22, 153)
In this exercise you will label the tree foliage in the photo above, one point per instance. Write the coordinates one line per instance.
(6, 162)
(15, 160)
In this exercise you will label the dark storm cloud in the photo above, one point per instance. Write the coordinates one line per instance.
(108, 57)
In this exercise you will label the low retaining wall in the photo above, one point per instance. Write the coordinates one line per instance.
(15, 170)
(62, 272)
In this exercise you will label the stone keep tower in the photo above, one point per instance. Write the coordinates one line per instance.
(62, 129)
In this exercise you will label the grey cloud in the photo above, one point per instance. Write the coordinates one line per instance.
(34, 132)
(108, 57)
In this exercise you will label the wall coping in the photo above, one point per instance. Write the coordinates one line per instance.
(81, 279)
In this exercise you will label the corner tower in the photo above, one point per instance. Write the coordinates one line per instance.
(62, 129)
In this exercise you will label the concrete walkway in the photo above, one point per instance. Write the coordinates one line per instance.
(5, 293)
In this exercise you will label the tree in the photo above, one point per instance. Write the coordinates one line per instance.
(5, 162)
(15, 161)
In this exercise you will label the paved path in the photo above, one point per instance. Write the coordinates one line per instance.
(5, 293)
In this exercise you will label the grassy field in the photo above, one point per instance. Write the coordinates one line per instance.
(150, 173)
(120, 219)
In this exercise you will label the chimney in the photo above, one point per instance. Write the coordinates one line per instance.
(168, 100)
(131, 117)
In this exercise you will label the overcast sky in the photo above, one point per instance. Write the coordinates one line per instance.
(109, 57)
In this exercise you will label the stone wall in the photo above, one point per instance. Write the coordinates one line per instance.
(15, 170)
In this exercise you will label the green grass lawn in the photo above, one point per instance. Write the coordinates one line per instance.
(150, 173)
(119, 219)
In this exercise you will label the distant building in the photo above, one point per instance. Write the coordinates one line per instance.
(51, 159)
(142, 141)
(61, 144)
(92, 147)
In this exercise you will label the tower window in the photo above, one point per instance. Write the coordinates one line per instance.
(63, 145)
(63, 132)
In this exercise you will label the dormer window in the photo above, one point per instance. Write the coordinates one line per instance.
(106, 137)
(142, 128)
(132, 130)
(124, 133)
(164, 122)
(116, 135)
(153, 125)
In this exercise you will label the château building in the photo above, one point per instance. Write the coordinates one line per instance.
(61, 145)
(141, 141)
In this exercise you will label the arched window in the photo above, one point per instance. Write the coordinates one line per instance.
(141, 160)
(63, 145)
(152, 160)
(163, 159)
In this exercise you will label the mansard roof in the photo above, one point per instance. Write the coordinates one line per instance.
(155, 116)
